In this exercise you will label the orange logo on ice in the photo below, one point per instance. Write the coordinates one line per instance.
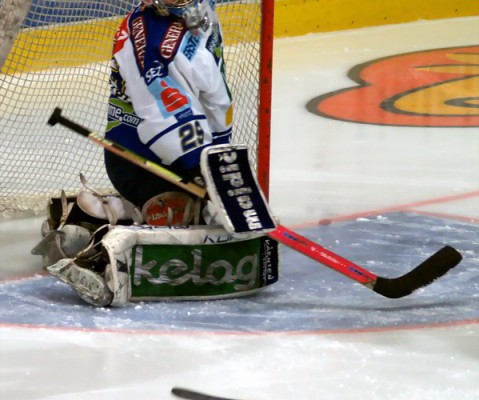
(435, 88)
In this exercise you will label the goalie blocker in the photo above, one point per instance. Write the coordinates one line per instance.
(234, 191)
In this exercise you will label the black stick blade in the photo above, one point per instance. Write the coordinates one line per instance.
(425, 273)
(55, 117)
(192, 395)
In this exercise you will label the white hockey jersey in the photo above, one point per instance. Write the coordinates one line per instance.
(169, 97)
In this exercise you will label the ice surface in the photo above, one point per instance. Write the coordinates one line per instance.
(385, 198)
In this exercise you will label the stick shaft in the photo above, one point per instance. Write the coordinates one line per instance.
(128, 155)
(147, 165)
(322, 255)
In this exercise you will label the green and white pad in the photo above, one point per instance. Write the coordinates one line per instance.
(186, 263)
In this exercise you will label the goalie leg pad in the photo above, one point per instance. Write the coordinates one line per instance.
(186, 263)
(72, 220)
(74, 239)
(61, 243)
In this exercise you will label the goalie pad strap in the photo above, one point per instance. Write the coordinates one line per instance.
(109, 207)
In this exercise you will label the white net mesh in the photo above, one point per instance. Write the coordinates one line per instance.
(61, 58)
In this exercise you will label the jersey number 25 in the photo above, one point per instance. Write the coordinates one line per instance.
(191, 136)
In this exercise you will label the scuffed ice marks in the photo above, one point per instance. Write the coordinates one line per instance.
(308, 296)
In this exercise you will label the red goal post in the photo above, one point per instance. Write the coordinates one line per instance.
(60, 57)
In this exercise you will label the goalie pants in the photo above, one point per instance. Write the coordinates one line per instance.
(133, 182)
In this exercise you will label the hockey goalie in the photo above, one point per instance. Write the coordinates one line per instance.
(150, 240)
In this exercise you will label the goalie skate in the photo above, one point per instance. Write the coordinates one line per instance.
(89, 285)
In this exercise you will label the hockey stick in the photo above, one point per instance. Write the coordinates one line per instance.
(194, 395)
(121, 151)
(425, 273)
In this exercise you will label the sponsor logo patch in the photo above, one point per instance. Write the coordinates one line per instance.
(214, 43)
(199, 271)
(121, 36)
(169, 45)
(157, 71)
(216, 268)
(191, 46)
(139, 40)
(119, 114)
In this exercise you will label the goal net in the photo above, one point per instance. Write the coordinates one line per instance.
(60, 57)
